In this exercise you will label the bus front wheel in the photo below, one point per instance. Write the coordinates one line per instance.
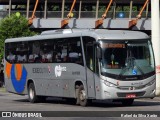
(32, 93)
(82, 98)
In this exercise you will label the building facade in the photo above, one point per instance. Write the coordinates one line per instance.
(50, 13)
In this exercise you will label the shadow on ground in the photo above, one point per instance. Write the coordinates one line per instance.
(95, 103)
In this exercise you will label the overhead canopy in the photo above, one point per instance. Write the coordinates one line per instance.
(6, 2)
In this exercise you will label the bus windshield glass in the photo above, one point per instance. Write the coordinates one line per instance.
(126, 58)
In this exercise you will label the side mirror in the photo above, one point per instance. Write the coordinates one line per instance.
(99, 53)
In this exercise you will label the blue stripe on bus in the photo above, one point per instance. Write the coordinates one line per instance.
(18, 84)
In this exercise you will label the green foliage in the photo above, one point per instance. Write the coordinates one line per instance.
(134, 8)
(102, 8)
(12, 27)
(126, 8)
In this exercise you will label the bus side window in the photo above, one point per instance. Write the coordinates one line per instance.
(89, 52)
(90, 57)
(64, 54)
(22, 52)
(46, 51)
(21, 58)
(58, 53)
(11, 57)
(73, 55)
(75, 51)
(34, 55)
(10, 53)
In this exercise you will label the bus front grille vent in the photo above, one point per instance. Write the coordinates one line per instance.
(134, 88)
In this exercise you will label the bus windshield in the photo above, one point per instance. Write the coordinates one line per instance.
(126, 58)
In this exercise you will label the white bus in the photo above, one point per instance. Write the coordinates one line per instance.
(81, 65)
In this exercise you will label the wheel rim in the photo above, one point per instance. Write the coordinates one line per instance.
(31, 94)
(82, 95)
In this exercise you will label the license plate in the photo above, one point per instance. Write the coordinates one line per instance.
(130, 95)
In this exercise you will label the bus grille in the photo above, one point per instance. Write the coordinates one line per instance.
(128, 88)
(138, 94)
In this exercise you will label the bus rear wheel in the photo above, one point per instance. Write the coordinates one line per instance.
(82, 98)
(127, 102)
(32, 93)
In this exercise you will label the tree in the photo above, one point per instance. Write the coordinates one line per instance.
(12, 27)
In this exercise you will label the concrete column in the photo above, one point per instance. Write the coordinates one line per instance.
(114, 10)
(45, 9)
(156, 39)
(80, 8)
(27, 15)
(130, 12)
(97, 7)
(147, 10)
(63, 3)
(10, 5)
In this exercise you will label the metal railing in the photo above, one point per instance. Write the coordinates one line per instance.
(77, 14)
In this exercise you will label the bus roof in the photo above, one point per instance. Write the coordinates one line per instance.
(96, 33)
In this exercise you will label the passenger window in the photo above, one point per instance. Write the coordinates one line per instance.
(34, 52)
(89, 49)
(63, 50)
(22, 52)
(58, 50)
(46, 51)
(10, 53)
(68, 50)
(75, 51)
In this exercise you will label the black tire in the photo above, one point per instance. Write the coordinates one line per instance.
(33, 98)
(82, 100)
(127, 102)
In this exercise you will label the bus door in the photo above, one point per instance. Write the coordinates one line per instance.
(90, 60)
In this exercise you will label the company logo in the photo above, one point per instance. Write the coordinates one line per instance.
(6, 114)
(18, 80)
(58, 70)
(132, 88)
(137, 83)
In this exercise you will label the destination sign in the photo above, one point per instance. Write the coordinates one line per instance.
(112, 45)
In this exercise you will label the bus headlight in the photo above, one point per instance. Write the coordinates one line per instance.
(109, 84)
(150, 83)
